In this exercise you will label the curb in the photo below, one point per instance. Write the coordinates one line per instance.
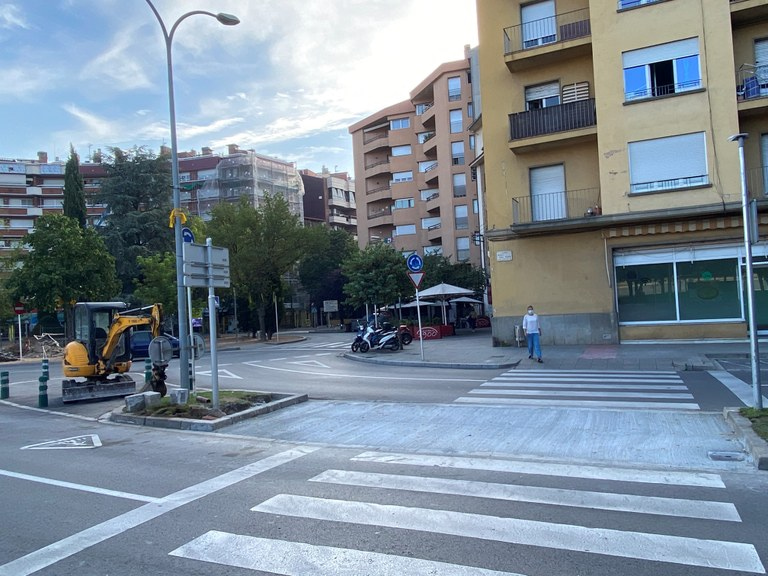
(755, 445)
(425, 364)
(283, 401)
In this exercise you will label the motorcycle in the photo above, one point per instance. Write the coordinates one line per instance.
(385, 338)
(405, 335)
(359, 338)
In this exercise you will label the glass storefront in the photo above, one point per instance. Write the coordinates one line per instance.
(688, 284)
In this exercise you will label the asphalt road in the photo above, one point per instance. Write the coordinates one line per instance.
(82, 498)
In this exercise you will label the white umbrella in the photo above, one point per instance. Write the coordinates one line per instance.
(443, 291)
(466, 299)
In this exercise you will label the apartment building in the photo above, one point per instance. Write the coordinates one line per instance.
(33, 187)
(209, 179)
(613, 191)
(418, 192)
(329, 198)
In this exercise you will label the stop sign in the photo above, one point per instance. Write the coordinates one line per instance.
(18, 308)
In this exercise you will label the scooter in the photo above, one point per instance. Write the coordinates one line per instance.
(359, 338)
(405, 335)
(386, 338)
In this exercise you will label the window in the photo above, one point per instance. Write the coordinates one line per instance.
(424, 136)
(454, 88)
(427, 165)
(462, 249)
(401, 203)
(459, 185)
(421, 108)
(401, 150)
(470, 110)
(406, 176)
(471, 141)
(633, 3)
(661, 70)
(668, 163)
(548, 193)
(455, 119)
(460, 217)
(679, 285)
(427, 223)
(475, 207)
(405, 229)
(429, 193)
(433, 250)
(457, 153)
(542, 96)
(538, 23)
(399, 123)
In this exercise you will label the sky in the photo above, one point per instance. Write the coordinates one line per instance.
(286, 82)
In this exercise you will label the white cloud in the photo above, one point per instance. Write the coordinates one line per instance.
(117, 66)
(11, 17)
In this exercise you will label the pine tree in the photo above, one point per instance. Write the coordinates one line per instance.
(74, 190)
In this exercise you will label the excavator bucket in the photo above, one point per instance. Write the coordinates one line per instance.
(120, 385)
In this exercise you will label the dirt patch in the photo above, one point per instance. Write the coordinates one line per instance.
(201, 408)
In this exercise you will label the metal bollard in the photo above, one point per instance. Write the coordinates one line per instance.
(147, 371)
(46, 374)
(5, 390)
(42, 396)
(191, 378)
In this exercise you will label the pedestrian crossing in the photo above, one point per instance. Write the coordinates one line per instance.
(459, 504)
(339, 345)
(660, 390)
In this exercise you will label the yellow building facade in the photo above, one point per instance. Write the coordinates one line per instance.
(613, 194)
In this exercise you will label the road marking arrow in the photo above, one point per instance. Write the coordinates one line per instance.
(221, 373)
(313, 363)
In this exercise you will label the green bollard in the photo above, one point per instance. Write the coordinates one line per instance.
(42, 396)
(46, 374)
(5, 390)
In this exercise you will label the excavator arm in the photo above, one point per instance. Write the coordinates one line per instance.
(149, 316)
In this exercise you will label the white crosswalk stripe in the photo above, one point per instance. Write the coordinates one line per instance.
(346, 344)
(575, 388)
(382, 494)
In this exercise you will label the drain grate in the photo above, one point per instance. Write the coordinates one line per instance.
(722, 456)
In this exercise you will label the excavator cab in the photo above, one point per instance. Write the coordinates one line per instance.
(101, 353)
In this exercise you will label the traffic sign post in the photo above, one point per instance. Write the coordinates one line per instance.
(18, 308)
(415, 264)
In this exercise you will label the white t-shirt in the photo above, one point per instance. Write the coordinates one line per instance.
(531, 324)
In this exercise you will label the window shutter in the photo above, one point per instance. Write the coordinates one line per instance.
(542, 91)
(667, 158)
(661, 53)
(574, 92)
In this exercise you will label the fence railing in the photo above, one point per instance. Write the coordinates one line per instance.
(386, 211)
(751, 81)
(557, 28)
(568, 204)
(571, 116)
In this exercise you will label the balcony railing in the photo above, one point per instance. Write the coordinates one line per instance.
(757, 182)
(624, 4)
(377, 190)
(558, 28)
(386, 211)
(752, 81)
(571, 116)
(663, 90)
(373, 137)
(568, 204)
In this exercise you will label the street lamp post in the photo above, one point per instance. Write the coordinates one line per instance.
(753, 345)
(177, 215)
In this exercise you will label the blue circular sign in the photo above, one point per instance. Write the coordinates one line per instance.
(187, 235)
(415, 263)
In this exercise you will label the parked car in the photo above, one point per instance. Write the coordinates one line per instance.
(140, 344)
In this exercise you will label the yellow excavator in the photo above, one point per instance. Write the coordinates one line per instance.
(96, 362)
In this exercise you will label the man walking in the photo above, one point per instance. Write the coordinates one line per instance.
(532, 333)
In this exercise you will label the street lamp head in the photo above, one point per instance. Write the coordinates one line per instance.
(227, 19)
(737, 137)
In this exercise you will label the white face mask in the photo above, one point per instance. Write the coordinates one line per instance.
(530, 312)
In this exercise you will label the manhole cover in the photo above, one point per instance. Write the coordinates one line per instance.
(726, 456)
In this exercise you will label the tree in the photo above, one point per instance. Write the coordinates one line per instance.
(74, 189)
(157, 282)
(438, 269)
(65, 264)
(137, 193)
(320, 266)
(376, 275)
(264, 244)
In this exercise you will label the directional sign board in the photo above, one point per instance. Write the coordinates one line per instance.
(187, 235)
(414, 263)
(196, 269)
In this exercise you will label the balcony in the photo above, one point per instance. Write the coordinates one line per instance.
(380, 217)
(757, 182)
(378, 193)
(752, 89)
(572, 121)
(430, 174)
(434, 232)
(342, 219)
(335, 202)
(429, 147)
(432, 202)
(376, 168)
(746, 12)
(548, 40)
(375, 141)
(559, 206)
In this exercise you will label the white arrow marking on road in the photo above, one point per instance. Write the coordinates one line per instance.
(86, 441)
(221, 373)
(311, 363)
